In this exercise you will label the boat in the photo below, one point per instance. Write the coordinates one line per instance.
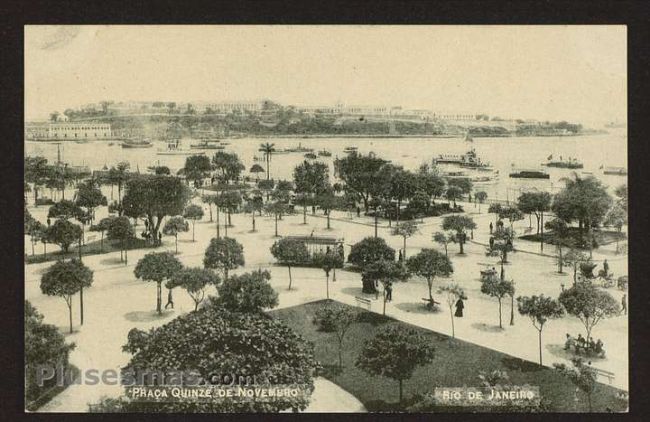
(299, 148)
(137, 143)
(310, 155)
(569, 163)
(324, 153)
(179, 152)
(530, 174)
(206, 145)
(615, 171)
(469, 159)
(350, 149)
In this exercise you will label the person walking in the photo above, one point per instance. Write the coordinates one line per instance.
(491, 242)
(170, 300)
(459, 308)
(624, 304)
(491, 227)
(606, 267)
(389, 293)
(358, 212)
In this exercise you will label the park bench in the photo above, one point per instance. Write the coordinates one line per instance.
(362, 301)
(606, 374)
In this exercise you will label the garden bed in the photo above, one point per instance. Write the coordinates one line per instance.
(90, 248)
(601, 237)
(456, 363)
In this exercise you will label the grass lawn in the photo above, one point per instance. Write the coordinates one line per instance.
(52, 392)
(456, 364)
(90, 248)
(602, 237)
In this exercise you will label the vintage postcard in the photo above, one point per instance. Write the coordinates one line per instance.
(326, 218)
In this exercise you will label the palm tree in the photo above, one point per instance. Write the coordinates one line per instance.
(268, 149)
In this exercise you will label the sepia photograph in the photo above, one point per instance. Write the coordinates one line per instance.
(326, 218)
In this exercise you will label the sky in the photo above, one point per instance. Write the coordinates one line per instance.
(573, 73)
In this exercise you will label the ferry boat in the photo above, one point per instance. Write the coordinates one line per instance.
(530, 174)
(299, 148)
(569, 163)
(324, 153)
(616, 171)
(469, 159)
(206, 145)
(137, 143)
(179, 152)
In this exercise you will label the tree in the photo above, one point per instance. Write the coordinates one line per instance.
(367, 251)
(45, 346)
(224, 254)
(539, 309)
(480, 196)
(621, 193)
(502, 245)
(272, 352)
(459, 224)
(403, 185)
(453, 293)
(495, 209)
(581, 375)
(64, 234)
(535, 203)
(256, 169)
(311, 179)
(90, 197)
(584, 200)
(453, 193)
(209, 200)
(229, 165)
(230, 201)
(589, 304)
(327, 200)
(194, 280)
(406, 230)
(290, 252)
(328, 261)
(463, 183)
(358, 172)
(276, 208)
(254, 203)
(65, 279)
(386, 273)
(395, 352)
(444, 239)
(617, 217)
(340, 319)
(154, 198)
(560, 232)
(193, 212)
(268, 149)
(197, 168)
(36, 170)
(512, 214)
(37, 232)
(248, 293)
(158, 267)
(496, 287)
(120, 229)
(176, 225)
(429, 264)
(64, 209)
(119, 175)
(574, 258)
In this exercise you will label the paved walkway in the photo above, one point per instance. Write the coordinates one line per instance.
(118, 302)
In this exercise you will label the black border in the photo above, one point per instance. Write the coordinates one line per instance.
(15, 14)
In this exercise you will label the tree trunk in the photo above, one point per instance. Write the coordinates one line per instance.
(327, 284)
(560, 261)
(340, 354)
(542, 230)
(218, 233)
(430, 285)
(304, 214)
(460, 241)
(70, 314)
(512, 310)
(225, 226)
(276, 225)
(176, 241)
(328, 220)
(81, 305)
(210, 208)
(384, 311)
(159, 298)
(375, 224)
(193, 231)
(500, 324)
(540, 347)
(289, 267)
(253, 220)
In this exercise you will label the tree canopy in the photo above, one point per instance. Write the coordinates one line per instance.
(224, 254)
(589, 304)
(248, 292)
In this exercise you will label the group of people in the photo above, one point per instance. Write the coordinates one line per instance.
(581, 345)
